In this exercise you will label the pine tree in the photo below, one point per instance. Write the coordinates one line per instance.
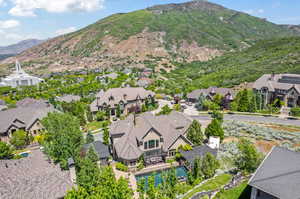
(243, 105)
(194, 133)
(252, 105)
(214, 129)
(105, 136)
(92, 155)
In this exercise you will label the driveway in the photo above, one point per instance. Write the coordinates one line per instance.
(252, 118)
(162, 103)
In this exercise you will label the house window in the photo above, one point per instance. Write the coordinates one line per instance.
(161, 139)
(146, 145)
(172, 153)
(151, 144)
(157, 143)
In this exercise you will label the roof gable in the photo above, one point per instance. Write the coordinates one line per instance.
(279, 174)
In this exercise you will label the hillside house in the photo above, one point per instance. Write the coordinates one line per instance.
(126, 99)
(278, 176)
(209, 93)
(285, 87)
(155, 138)
(22, 118)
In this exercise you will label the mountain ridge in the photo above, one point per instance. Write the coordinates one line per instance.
(152, 37)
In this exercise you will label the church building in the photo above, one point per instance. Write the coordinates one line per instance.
(20, 78)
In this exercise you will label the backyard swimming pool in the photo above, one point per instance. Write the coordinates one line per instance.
(181, 172)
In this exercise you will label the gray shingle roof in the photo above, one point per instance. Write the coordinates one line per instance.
(278, 81)
(198, 151)
(169, 126)
(114, 96)
(26, 116)
(279, 174)
(30, 102)
(69, 98)
(196, 93)
(33, 177)
(100, 148)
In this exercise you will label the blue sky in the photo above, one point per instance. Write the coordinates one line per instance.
(23, 19)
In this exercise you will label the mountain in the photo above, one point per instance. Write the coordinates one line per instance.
(19, 47)
(295, 28)
(152, 37)
(275, 55)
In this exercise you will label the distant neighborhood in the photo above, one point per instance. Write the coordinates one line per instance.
(136, 131)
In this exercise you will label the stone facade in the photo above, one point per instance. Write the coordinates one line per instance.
(285, 87)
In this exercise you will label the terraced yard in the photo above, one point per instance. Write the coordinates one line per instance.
(211, 184)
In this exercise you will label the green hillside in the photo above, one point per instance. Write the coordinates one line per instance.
(206, 23)
(276, 55)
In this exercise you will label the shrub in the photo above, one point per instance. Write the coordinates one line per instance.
(121, 167)
(295, 111)
(6, 151)
(20, 139)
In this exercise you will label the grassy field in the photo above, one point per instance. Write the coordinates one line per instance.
(212, 184)
(242, 191)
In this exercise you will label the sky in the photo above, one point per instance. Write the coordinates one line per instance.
(42, 19)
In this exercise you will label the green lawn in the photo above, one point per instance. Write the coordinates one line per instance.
(242, 191)
(94, 125)
(212, 184)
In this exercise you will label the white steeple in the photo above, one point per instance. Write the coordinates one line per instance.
(18, 67)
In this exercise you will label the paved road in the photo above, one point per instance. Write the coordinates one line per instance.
(252, 118)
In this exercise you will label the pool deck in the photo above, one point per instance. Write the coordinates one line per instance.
(130, 176)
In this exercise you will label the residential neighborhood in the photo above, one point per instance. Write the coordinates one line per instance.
(150, 100)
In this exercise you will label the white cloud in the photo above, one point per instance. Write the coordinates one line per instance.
(254, 12)
(28, 7)
(65, 30)
(9, 24)
(260, 11)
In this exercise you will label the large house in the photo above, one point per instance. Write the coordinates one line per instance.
(20, 78)
(209, 93)
(278, 176)
(22, 118)
(127, 99)
(285, 87)
(155, 138)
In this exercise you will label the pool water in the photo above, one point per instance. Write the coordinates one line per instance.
(181, 172)
(24, 154)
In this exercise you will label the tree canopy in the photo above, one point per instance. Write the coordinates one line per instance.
(215, 129)
(63, 138)
(194, 133)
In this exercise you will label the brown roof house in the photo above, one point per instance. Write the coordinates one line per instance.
(127, 99)
(209, 94)
(33, 177)
(285, 87)
(155, 138)
(22, 118)
(278, 176)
